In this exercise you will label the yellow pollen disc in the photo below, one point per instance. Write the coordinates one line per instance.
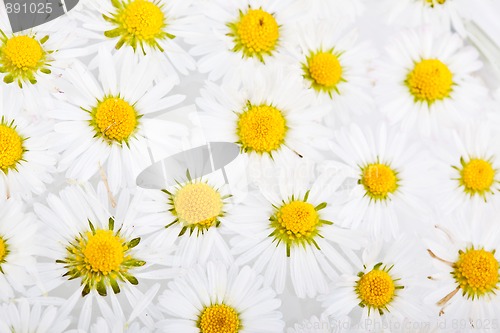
(258, 31)
(433, 2)
(261, 129)
(3, 250)
(476, 271)
(478, 175)
(430, 80)
(379, 180)
(142, 19)
(115, 119)
(104, 252)
(198, 203)
(22, 52)
(298, 218)
(325, 69)
(11, 147)
(376, 289)
(219, 318)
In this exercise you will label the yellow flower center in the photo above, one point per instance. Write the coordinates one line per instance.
(376, 289)
(219, 318)
(100, 258)
(23, 52)
(261, 129)
(379, 180)
(478, 176)
(430, 80)
(21, 57)
(142, 19)
(298, 218)
(3, 250)
(115, 119)
(104, 252)
(325, 69)
(476, 272)
(434, 2)
(256, 33)
(11, 147)
(198, 203)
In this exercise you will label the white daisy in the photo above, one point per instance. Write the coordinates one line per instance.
(27, 159)
(141, 27)
(17, 248)
(442, 14)
(288, 229)
(387, 287)
(213, 298)
(427, 80)
(88, 240)
(336, 10)
(469, 168)
(268, 116)
(237, 38)
(190, 216)
(335, 65)
(391, 180)
(108, 126)
(32, 60)
(21, 317)
(464, 249)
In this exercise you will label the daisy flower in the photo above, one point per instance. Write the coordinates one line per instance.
(107, 126)
(237, 38)
(190, 216)
(334, 65)
(336, 10)
(141, 27)
(93, 248)
(17, 248)
(469, 168)
(109, 325)
(21, 317)
(213, 298)
(268, 116)
(390, 180)
(386, 287)
(31, 60)
(287, 230)
(427, 80)
(466, 281)
(444, 14)
(27, 158)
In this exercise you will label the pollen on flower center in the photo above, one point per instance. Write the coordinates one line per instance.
(100, 258)
(434, 2)
(23, 52)
(256, 33)
(219, 318)
(379, 180)
(478, 175)
(261, 129)
(298, 218)
(376, 289)
(476, 272)
(3, 250)
(325, 69)
(104, 252)
(115, 119)
(11, 147)
(430, 80)
(198, 203)
(142, 19)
